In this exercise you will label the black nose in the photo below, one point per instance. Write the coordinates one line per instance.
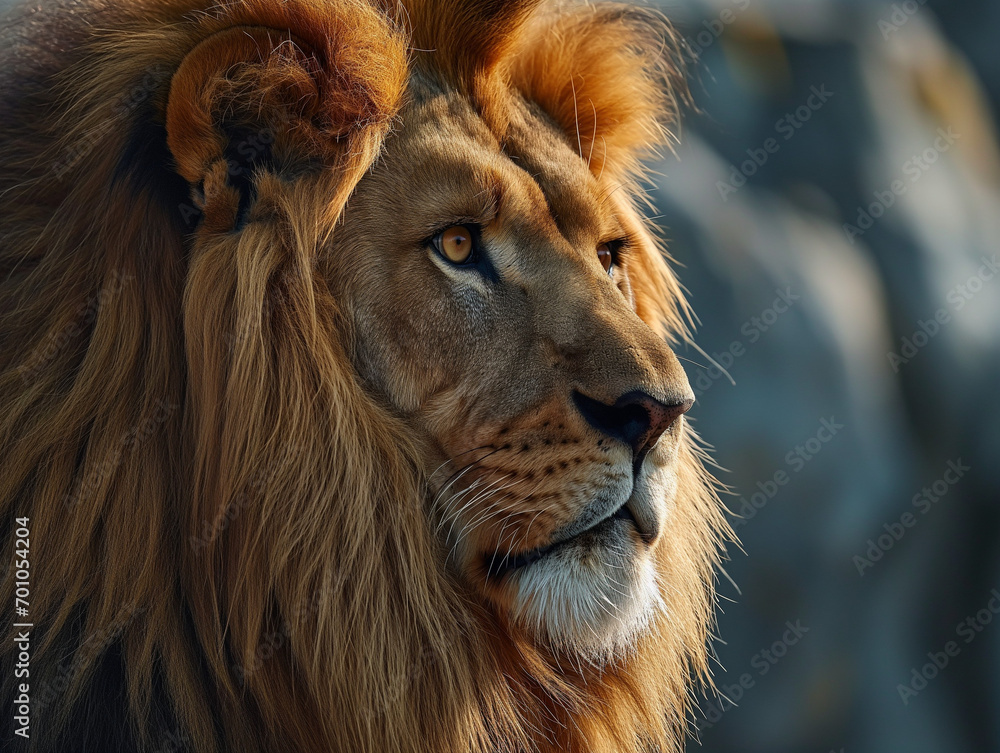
(637, 419)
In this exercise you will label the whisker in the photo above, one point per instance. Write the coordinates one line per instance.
(694, 363)
(489, 512)
(471, 502)
(449, 509)
(576, 117)
(466, 529)
(458, 474)
(714, 362)
(456, 457)
(440, 494)
(593, 138)
(531, 522)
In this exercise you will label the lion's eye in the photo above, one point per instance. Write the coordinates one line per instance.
(455, 244)
(606, 256)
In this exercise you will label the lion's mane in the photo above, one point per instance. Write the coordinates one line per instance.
(230, 548)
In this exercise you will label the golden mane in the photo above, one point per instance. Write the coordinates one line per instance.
(222, 519)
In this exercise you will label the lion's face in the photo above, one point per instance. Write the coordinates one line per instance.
(489, 290)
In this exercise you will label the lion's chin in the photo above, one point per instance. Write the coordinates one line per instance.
(594, 597)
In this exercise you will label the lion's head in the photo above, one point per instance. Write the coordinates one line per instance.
(341, 358)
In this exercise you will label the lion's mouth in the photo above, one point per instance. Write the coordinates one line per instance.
(498, 565)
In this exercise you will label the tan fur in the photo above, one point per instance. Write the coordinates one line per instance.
(238, 424)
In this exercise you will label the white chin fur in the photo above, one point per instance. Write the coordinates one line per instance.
(589, 601)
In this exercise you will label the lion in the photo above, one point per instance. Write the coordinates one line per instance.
(340, 409)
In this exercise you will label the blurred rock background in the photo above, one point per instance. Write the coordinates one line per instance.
(834, 206)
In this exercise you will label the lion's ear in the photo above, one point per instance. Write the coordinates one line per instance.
(281, 86)
(610, 75)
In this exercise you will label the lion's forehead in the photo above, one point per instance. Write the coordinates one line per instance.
(453, 161)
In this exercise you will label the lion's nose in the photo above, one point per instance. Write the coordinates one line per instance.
(636, 418)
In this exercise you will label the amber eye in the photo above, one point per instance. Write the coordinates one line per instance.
(606, 257)
(455, 244)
